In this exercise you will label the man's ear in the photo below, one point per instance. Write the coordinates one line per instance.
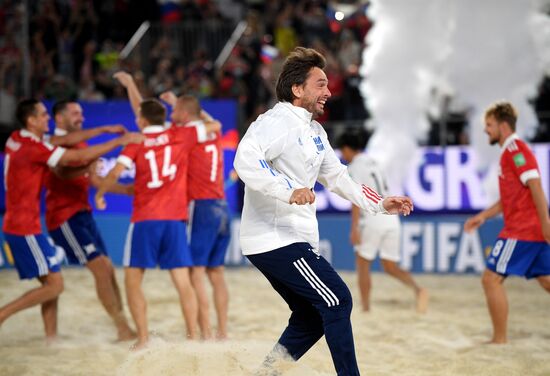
(297, 90)
(31, 121)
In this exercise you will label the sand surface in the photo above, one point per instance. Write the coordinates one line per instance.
(390, 340)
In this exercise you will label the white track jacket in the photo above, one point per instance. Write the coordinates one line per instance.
(283, 150)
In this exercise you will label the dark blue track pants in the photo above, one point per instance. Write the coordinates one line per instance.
(319, 300)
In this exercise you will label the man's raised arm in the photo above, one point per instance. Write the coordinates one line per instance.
(129, 84)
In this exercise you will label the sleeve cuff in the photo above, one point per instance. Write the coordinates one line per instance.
(124, 160)
(381, 207)
(56, 156)
(528, 175)
(284, 194)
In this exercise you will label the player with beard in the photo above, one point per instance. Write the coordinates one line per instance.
(522, 247)
(28, 159)
(69, 216)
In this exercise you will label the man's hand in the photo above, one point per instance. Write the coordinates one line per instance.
(302, 196)
(114, 129)
(473, 223)
(100, 202)
(355, 236)
(398, 205)
(169, 97)
(124, 78)
(131, 138)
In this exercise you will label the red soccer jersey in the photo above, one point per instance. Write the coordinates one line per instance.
(205, 173)
(160, 185)
(517, 166)
(25, 168)
(65, 197)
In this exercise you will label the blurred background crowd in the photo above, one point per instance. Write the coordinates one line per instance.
(75, 45)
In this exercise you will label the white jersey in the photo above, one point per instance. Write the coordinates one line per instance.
(380, 234)
(284, 150)
(365, 170)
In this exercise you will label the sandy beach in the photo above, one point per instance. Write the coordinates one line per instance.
(390, 340)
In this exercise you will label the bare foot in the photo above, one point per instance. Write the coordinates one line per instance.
(495, 341)
(422, 298)
(126, 334)
(51, 340)
(221, 336)
(192, 336)
(206, 335)
(140, 344)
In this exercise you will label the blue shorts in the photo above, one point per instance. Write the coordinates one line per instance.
(209, 232)
(80, 238)
(33, 255)
(517, 257)
(152, 243)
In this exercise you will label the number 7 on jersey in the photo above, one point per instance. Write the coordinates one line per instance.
(214, 169)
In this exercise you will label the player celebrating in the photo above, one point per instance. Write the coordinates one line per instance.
(282, 155)
(209, 217)
(69, 218)
(522, 246)
(157, 234)
(371, 234)
(28, 158)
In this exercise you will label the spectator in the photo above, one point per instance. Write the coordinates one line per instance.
(8, 100)
(80, 40)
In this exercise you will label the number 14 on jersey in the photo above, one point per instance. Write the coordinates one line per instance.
(169, 169)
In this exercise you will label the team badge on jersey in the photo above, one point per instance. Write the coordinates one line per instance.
(519, 160)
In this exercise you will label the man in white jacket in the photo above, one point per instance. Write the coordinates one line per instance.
(282, 155)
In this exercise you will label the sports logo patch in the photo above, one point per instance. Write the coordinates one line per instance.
(519, 160)
(319, 143)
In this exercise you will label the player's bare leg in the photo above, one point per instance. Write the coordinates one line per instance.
(133, 278)
(198, 277)
(127, 332)
(364, 280)
(109, 295)
(221, 299)
(422, 296)
(497, 302)
(188, 300)
(544, 281)
(52, 286)
(48, 309)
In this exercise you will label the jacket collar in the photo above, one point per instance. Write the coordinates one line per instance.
(300, 112)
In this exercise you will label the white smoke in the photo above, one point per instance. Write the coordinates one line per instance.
(473, 52)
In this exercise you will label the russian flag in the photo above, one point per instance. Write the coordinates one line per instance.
(170, 11)
(269, 53)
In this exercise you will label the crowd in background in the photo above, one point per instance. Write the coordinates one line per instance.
(75, 46)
